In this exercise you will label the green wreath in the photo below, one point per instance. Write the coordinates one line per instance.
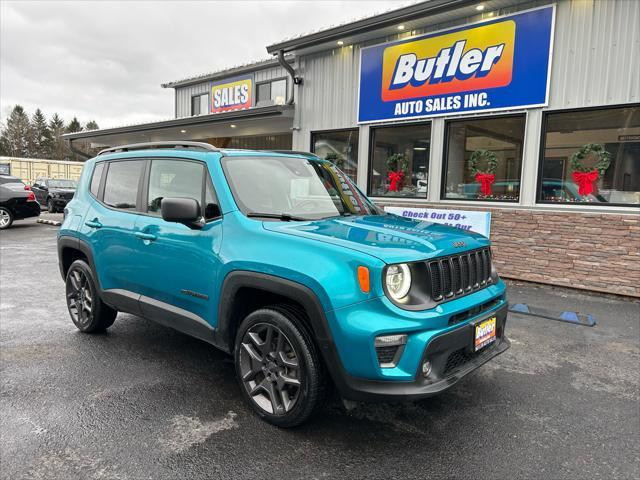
(604, 159)
(489, 156)
(398, 163)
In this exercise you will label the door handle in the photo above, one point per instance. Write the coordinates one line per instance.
(93, 223)
(145, 236)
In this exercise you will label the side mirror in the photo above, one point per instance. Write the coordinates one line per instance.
(182, 210)
(212, 210)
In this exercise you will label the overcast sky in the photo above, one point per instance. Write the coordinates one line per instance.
(105, 61)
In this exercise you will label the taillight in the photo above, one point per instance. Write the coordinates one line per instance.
(27, 187)
(31, 197)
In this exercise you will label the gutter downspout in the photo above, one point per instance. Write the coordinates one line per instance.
(292, 73)
(76, 151)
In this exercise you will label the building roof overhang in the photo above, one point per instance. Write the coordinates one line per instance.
(227, 72)
(412, 17)
(199, 120)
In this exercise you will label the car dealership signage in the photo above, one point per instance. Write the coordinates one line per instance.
(233, 94)
(499, 64)
(473, 221)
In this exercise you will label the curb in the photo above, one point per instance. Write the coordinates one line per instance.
(49, 222)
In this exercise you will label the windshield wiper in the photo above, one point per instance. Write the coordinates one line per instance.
(285, 217)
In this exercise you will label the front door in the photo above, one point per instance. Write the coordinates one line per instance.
(177, 266)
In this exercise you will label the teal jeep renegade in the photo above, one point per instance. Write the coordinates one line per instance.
(281, 261)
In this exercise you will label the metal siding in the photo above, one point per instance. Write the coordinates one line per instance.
(596, 54)
(184, 94)
(270, 74)
(595, 61)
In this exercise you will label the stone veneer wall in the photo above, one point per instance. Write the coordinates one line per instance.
(590, 251)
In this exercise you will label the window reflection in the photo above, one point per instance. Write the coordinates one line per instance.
(484, 159)
(400, 164)
(617, 131)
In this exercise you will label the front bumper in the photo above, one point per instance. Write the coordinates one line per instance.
(431, 336)
(60, 202)
(450, 358)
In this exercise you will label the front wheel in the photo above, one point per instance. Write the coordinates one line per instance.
(278, 366)
(50, 206)
(88, 312)
(6, 218)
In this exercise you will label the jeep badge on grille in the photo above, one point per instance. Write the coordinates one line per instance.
(459, 244)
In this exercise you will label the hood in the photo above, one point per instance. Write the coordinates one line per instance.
(390, 238)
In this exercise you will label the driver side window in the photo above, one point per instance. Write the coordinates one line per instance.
(174, 178)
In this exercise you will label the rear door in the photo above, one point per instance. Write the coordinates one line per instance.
(109, 226)
(177, 266)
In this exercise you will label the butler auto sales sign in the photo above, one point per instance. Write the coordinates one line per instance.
(499, 64)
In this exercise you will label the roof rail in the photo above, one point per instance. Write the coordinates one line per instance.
(169, 144)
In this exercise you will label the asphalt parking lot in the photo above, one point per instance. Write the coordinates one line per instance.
(145, 402)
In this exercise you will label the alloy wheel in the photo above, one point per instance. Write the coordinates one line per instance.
(5, 218)
(79, 297)
(269, 368)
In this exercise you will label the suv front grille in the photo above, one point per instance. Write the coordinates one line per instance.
(459, 274)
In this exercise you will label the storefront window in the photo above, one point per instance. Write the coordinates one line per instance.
(591, 157)
(483, 159)
(400, 161)
(339, 147)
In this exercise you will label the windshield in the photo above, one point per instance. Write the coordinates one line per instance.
(294, 187)
(61, 183)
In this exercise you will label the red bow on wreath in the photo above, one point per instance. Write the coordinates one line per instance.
(395, 178)
(485, 180)
(585, 180)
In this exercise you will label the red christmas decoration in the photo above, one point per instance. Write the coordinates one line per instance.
(485, 180)
(395, 179)
(585, 181)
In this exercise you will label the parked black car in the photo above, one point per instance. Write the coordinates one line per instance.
(55, 193)
(16, 201)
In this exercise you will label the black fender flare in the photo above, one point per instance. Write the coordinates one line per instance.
(67, 241)
(297, 292)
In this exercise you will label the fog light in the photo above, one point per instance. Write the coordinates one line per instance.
(426, 368)
(391, 340)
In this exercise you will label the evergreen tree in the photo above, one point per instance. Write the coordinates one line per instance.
(4, 144)
(74, 126)
(40, 141)
(92, 125)
(57, 128)
(16, 134)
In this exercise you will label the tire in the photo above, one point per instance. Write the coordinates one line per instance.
(266, 373)
(6, 218)
(51, 207)
(88, 312)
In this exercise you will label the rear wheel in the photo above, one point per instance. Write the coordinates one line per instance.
(88, 312)
(50, 206)
(6, 218)
(278, 366)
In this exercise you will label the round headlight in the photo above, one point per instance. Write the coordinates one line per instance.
(398, 281)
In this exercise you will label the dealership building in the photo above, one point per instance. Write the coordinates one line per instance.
(529, 110)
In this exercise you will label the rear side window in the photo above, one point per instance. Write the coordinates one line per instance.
(95, 179)
(174, 178)
(121, 186)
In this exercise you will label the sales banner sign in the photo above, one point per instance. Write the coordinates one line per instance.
(233, 94)
(472, 221)
(499, 64)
